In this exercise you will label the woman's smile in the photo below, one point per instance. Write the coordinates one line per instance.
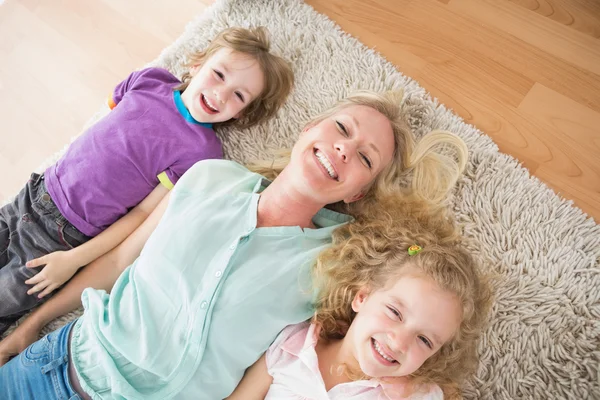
(325, 164)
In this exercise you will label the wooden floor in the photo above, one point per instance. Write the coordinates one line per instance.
(526, 72)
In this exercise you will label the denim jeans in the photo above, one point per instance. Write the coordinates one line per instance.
(41, 371)
(31, 226)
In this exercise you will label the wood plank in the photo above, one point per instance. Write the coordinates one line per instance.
(572, 46)
(583, 16)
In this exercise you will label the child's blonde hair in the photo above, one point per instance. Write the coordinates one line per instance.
(434, 163)
(279, 78)
(372, 253)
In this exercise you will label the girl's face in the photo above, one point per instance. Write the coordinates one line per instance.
(223, 86)
(340, 156)
(396, 329)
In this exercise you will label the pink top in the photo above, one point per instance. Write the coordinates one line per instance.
(292, 362)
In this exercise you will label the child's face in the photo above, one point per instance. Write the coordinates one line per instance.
(223, 86)
(397, 328)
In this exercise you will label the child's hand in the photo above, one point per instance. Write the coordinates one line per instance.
(60, 267)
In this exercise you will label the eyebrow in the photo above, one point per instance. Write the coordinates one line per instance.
(435, 337)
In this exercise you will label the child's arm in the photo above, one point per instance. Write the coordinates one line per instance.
(255, 383)
(62, 265)
(100, 274)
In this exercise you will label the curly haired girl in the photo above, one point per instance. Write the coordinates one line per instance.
(400, 309)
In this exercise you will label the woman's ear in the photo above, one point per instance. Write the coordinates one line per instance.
(354, 198)
(359, 299)
(306, 128)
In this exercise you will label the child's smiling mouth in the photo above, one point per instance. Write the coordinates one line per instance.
(381, 354)
(207, 105)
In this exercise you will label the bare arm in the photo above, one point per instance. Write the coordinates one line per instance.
(100, 274)
(62, 265)
(255, 383)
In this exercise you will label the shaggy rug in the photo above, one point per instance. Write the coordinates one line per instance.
(544, 338)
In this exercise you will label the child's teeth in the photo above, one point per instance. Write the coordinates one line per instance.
(381, 353)
(212, 107)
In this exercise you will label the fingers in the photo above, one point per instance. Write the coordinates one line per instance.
(36, 279)
(40, 286)
(36, 262)
(48, 290)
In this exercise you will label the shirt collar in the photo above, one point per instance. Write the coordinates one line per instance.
(184, 111)
(301, 342)
(325, 220)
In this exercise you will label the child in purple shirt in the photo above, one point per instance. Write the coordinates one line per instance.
(120, 168)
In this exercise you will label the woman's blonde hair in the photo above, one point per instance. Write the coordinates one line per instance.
(372, 253)
(279, 78)
(432, 165)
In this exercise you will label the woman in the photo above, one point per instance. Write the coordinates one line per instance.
(225, 264)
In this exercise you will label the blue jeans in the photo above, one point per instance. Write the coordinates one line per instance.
(41, 371)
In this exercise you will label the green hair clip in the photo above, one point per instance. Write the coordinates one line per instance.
(414, 249)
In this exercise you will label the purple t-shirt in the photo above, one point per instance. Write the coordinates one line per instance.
(115, 164)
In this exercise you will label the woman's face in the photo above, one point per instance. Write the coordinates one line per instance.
(337, 158)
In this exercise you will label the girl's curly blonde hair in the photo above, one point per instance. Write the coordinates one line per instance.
(432, 165)
(372, 253)
(279, 78)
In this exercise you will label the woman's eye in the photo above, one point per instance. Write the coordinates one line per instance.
(426, 341)
(240, 96)
(219, 74)
(366, 160)
(342, 128)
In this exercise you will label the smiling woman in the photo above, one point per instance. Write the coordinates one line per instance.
(216, 251)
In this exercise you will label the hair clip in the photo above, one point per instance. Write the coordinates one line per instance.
(414, 249)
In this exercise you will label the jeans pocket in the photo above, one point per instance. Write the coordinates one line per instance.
(38, 351)
(43, 204)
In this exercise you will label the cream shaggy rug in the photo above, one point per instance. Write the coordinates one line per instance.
(544, 337)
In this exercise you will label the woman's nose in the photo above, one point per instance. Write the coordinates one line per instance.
(345, 150)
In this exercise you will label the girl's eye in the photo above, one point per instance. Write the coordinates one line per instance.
(219, 74)
(366, 160)
(426, 341)
(395, 312)
(342, 128)
(240, 96)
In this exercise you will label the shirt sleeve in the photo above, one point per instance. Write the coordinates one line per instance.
(134, 79)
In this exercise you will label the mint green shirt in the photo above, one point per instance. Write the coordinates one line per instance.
(206, 297)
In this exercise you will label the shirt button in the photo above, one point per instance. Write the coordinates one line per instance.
(218, 274)
(232, 246)
(204, 304)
